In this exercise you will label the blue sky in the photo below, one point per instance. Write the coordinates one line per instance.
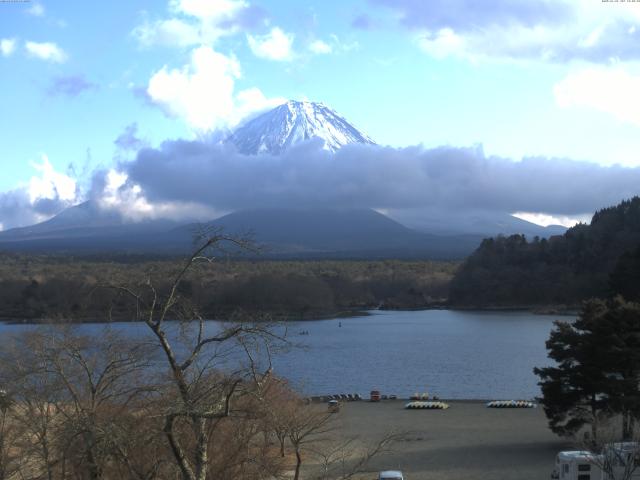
(520, 78)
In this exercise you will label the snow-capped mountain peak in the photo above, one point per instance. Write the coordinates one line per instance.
(275, 131)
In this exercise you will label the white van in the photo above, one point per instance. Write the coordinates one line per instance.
(390, 475)
(576, 465)
(617, 458)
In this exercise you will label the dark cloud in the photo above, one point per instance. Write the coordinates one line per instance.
(16, 208)
(69, 86)
(363, 22)
(141, 93)
(377, 177)
(128, 140)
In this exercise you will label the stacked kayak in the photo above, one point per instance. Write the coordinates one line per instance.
(511, 404)
(426, 406)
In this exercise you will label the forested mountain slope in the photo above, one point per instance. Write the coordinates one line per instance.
(587, 261)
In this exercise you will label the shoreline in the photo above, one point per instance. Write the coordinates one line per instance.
(318, 399)
(560, 310)
(88, 321)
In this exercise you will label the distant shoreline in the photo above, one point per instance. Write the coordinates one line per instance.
(564, 310)
(560, 310)
(475, 401)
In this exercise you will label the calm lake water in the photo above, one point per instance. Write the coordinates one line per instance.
(454, 354)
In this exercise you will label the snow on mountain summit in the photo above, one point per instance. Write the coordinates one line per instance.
(275, 131)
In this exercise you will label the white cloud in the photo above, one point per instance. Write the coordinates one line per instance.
(334, 45)
(545, 220)
(128, 199)
(46, 51)
(50, 185)
(592, 39)
(7, 46)
(515, 42)
(441, 44)
(36, 9)
(610, 90)
(171, 32)
(208, 9)
(251, 101)
(319, 47)
(549, 31)
(343, 46)
(46, 194)
(202, 92)
(193, 22)
(275, 45)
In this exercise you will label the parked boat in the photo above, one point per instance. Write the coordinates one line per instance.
(511, 404)
(333, 406)
(426, 406)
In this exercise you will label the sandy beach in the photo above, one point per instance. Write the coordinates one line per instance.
(467, 441)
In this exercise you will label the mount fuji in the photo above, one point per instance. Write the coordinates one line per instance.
(275, 131)
(315, 232)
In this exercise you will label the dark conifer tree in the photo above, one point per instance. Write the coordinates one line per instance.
(625, 278)
(573, 391)
(598, 369)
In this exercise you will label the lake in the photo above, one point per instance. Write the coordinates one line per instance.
(453, 354)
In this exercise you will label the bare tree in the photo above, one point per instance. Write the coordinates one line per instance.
(278, 404)
(101, 382)
(72, 393)
(314, 434)
(36, 397)
(617, 459)
(344, 459)
(199, 398)
(307, 426)
(10, 459)
(38, 414)
(138, 447)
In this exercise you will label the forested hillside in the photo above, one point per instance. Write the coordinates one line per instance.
(595, 260)
(65, 288)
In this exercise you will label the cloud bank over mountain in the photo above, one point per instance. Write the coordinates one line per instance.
(46, 194)
(368, 176)
(197, 179)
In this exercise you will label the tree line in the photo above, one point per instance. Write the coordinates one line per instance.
(50, 288)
